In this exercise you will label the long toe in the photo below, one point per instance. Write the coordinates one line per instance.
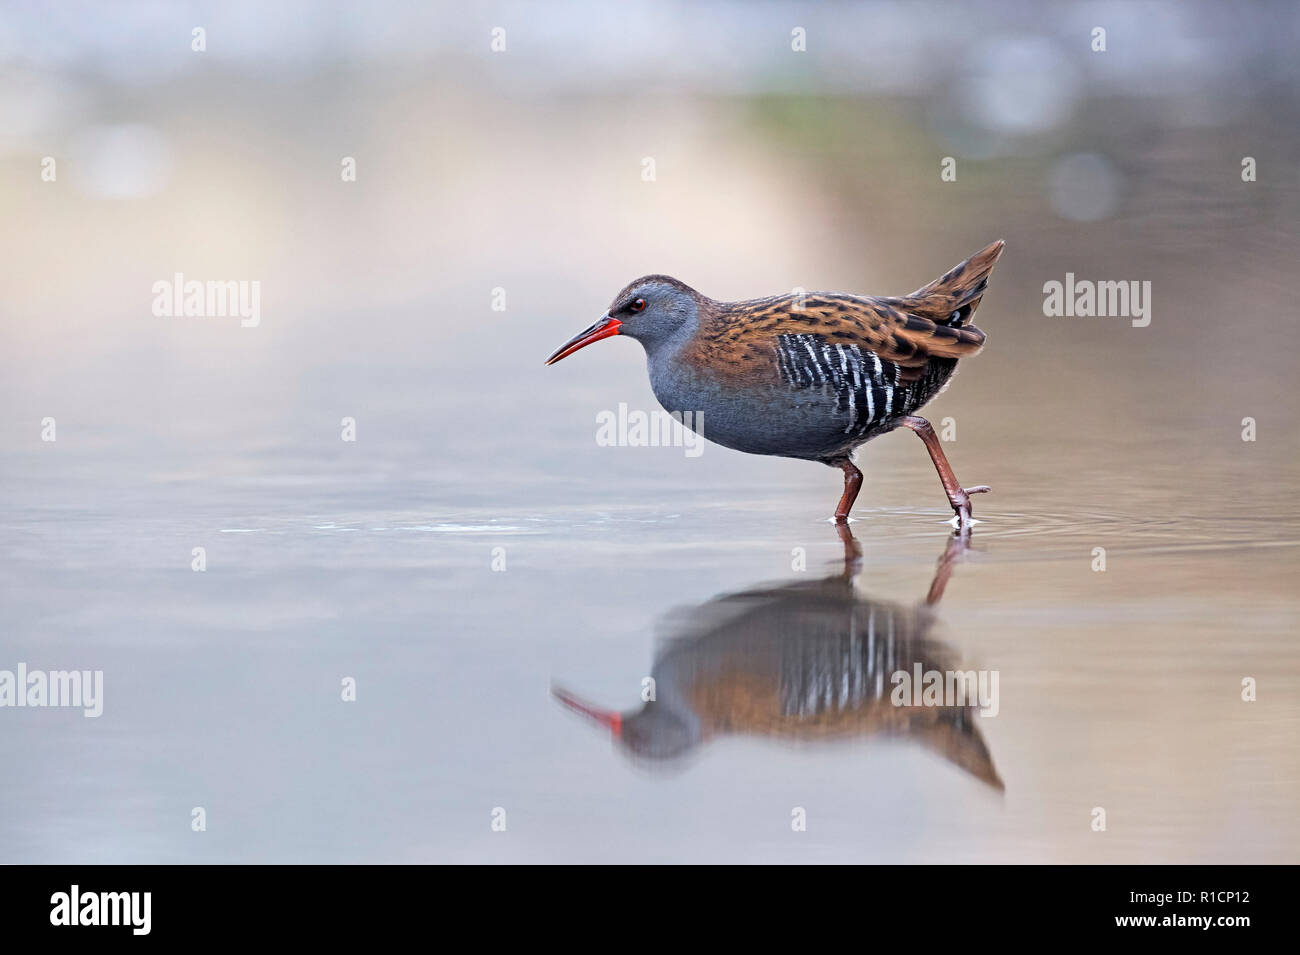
(962, 506)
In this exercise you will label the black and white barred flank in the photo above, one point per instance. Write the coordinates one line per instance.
(841, 672)
(865, 388)
(837, 672)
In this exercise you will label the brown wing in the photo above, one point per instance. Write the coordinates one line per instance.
(906, 331)
(884, 327)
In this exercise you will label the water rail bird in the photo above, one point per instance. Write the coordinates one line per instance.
(804, 662)
(805, 375)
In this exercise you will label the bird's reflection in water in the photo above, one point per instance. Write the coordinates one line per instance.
(802, 662)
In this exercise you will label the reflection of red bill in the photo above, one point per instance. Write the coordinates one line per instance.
(609, 718)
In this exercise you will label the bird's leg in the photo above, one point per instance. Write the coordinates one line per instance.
(852, 549)
(852, 484)
(958, 496)
(952, 554)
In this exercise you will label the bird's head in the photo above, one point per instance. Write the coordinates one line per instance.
(652, 310)
(653, 734)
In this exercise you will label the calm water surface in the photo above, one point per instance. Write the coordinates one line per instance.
(1118, 689)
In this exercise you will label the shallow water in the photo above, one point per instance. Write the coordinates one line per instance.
(1118, 689)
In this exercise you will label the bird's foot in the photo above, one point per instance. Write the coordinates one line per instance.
(961, 504)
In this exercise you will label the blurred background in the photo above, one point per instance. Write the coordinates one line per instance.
(503, 148)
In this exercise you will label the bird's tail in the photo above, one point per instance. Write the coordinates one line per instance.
(952, 298)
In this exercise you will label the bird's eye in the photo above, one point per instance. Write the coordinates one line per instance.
(638, 305)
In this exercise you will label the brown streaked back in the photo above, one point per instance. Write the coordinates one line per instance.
(738, 338)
